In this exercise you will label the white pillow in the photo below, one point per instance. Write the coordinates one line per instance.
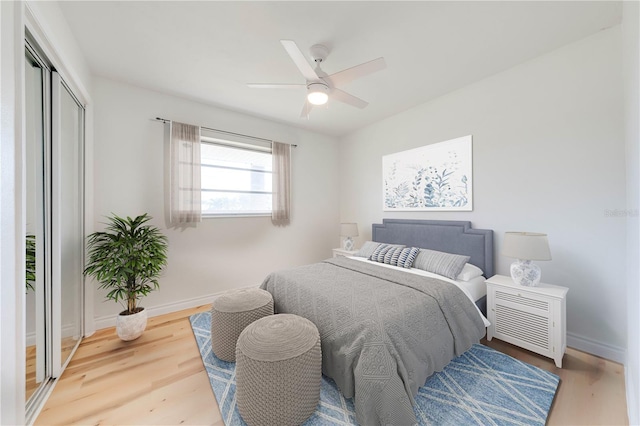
(469, 272)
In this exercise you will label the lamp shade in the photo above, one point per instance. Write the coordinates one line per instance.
(349, 229)
(526, 246)
(317, 93)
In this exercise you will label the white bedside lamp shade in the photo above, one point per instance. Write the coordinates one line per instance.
(526, 246)
(348, 230)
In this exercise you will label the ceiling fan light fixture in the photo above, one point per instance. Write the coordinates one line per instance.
(317, 93)
(320, 85)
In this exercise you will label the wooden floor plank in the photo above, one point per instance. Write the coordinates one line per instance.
(159, 379)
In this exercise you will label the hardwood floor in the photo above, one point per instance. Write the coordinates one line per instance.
(30, 385)
(67, 345)
(159, 379)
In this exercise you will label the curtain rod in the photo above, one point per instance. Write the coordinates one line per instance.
(164, 120)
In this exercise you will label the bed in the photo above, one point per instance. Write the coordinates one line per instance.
(384, 329)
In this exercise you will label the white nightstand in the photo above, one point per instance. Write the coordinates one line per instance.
(342, 252)
(533, 318)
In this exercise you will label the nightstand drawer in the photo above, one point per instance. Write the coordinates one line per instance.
(513, 298)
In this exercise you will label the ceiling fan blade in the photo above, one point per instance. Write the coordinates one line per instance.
(275, 86)
(306, 109)
(343, 77)
(298, 58)
(346, 98)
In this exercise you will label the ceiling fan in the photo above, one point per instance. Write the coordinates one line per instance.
(320, 86)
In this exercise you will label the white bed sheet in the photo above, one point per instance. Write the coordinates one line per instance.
(476, 286)
(474, 289)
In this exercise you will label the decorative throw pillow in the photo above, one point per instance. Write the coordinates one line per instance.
(367, 249)
(469, 272)
(378, 254)
(407, 256)
(438, 262)
(392, 254)
(395, 256)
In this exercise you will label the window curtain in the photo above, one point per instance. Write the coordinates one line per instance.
(185, 185)
(281, 155)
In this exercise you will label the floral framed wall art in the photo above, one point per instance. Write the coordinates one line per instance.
(436, 177)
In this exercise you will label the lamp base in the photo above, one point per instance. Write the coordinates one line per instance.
(526, 273)
(348, 243)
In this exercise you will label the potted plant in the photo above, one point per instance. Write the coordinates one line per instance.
(30, 268)
(127, 259)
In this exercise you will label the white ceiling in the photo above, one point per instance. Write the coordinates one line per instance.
(208, 51)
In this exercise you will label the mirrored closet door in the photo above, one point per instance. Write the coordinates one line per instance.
(36, 88)
(54, 160)
(68, 213)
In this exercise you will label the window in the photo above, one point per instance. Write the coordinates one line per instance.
(236, 178)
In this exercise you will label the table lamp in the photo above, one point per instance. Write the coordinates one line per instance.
(526, 247)
(348, 230)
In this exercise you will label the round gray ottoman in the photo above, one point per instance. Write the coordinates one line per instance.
(278, 371)
(231, 313)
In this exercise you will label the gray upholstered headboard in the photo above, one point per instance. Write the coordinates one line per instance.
(451, 236)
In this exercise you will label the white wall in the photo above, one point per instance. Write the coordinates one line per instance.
(631, 46)
(219, 254)
(548, 151)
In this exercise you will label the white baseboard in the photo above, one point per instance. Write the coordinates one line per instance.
(603, 350)
(153, 311)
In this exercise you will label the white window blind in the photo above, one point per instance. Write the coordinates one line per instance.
(236, 178)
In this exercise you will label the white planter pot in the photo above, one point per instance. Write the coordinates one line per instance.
(130, 327)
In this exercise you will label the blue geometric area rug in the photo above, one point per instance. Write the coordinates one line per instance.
(480, 387)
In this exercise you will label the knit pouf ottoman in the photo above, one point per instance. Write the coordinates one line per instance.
(231, 313)
(278, 371)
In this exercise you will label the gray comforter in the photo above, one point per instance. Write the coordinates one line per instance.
(383, 331)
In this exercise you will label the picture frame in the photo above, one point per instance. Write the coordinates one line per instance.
(435, 177)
